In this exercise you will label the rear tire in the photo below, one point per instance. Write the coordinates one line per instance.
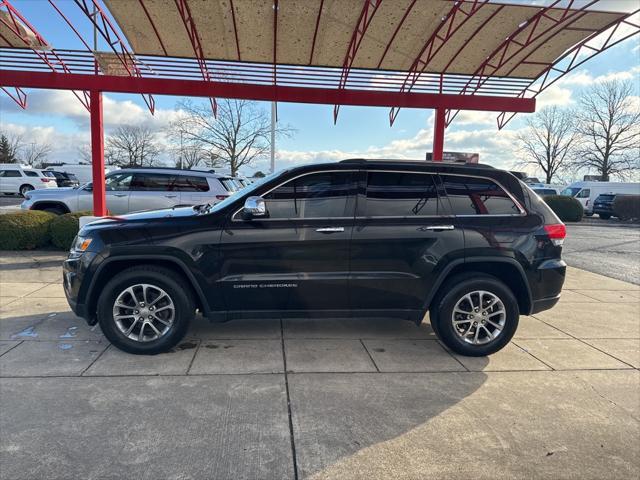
(475, 303)
(604, 216)
(25, 188)
(144, 311)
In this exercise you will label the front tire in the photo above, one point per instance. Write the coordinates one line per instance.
(144, 311)
(475, 316)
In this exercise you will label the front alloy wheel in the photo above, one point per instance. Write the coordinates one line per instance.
(146, 309)
(143, 312)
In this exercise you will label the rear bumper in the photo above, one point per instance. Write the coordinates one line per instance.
(546, 286)
(544, 304)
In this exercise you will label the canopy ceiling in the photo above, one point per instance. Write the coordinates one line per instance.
(155, 27)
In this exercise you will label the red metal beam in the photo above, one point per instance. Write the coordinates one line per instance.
(395, 32)
(194, 38)
(153, 25)
(103, 25)
(511, 46)
(315, 32)
(369, 9)
(438, 135)
(46, 54)
(581, 52)
(235, 28)
(275, 53)
(97, 155)
(20, 97)
(261, 92)
(436, 41)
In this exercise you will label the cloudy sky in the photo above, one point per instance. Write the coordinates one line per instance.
(58, 118)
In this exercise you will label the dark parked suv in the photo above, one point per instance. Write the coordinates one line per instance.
(470, 245)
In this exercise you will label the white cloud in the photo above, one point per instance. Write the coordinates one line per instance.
(63, 104)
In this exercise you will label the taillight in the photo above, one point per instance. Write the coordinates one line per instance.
(557, 233)
(45, 180)
(221, 197)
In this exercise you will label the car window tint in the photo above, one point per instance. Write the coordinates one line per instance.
(477, 196)
(585, 193)
(151, 182)
(10, 173)
(391, 194)
(30, 173)
(318, 195)
(186, 183)
(118, 182)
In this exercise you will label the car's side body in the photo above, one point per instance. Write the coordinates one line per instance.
(16, 179)
(354, 262)
(136, 189)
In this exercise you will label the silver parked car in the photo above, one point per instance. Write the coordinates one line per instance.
(135, 189)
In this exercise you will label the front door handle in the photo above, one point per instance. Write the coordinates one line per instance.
(330, 229)
(171, 196)
(436, 228)
(119, 194)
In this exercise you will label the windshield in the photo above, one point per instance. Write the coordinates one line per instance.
(248, 190)
(570, 191)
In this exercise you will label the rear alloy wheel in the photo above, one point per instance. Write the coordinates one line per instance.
(476, 316)
(143, 310)
(24, 189)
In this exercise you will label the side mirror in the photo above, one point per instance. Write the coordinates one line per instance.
(88, 187)
(254, 207)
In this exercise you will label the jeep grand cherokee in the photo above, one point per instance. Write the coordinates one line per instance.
(470, 245)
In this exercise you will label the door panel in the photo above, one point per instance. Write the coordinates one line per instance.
(401, 240)
(298, 259)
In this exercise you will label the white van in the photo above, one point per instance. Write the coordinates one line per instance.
(83, 173)
(20, 179)
(587, 192)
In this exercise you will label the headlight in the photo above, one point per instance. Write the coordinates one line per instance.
(80, 244)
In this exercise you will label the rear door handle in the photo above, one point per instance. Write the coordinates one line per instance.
(119, 194)
(330, 229)
(171, 196)
(436, 228)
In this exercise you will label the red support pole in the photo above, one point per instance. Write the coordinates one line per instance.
(438, 134)
(97, 155)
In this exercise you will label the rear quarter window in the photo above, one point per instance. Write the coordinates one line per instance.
(477, 196)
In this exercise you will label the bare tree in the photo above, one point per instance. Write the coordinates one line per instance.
(240, 134)
(190, 156)
(609, 124)
(548, 141)
(131, 146)
(34, 153)
(9, 147)
(84, 152)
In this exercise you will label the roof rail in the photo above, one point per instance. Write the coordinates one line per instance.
(362, 161)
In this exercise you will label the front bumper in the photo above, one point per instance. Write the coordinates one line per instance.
(74, 282)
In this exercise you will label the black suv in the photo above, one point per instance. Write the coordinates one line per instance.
(471, 245)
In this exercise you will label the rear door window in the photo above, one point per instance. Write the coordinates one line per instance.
(188, 183)
(477, 196)
(397, 194)
(30, 173)
(151, 182)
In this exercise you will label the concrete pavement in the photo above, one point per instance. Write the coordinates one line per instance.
(339, 399)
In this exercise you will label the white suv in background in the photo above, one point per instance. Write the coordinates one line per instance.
(135, 189)
(18, 179)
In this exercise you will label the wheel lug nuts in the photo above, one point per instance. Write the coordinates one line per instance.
(150, 317)
(136, 312)
(142, 304)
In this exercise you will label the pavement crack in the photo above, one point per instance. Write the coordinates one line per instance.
(286, 384)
